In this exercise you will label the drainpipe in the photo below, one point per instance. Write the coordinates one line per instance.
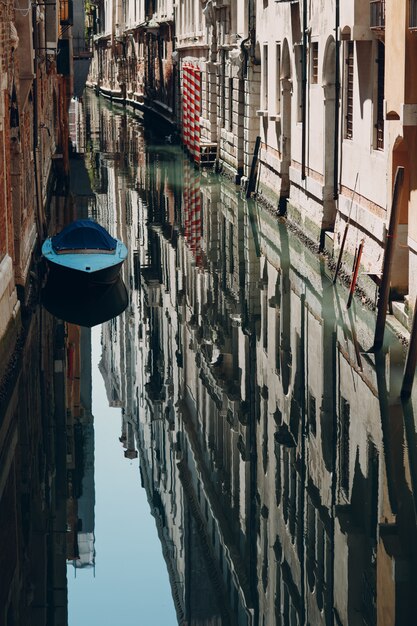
(252, 25)
(304, 92)
(336, 105)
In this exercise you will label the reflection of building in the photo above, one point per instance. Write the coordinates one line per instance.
(270, 447)
(79, 182)
(33, 479)
(80, 449)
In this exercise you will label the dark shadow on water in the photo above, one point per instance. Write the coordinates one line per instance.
(85, 306)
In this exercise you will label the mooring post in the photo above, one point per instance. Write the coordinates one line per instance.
(251, 180)
(355, 274)
(384, 288)
(411, 360)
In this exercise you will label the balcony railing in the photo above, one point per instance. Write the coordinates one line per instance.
(413, 14)
(378, 14)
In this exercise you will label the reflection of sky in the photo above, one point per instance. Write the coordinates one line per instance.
(131, 585)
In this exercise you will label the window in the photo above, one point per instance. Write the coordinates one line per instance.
(413, 14)
(349, 90)
(379, 124)
(265, 79)
(223, 90)
(208, 78)
(298, 50)
(377, 17)
(230, 104)
(314, 63)
(278, 78)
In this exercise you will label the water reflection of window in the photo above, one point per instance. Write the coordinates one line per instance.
(265, 555)
(292, 496)
(136, 270)
(231, 257)
(320, 563)
(344, 446)
(278, 340)
(265, 312)
(265, 436)
(311, 543)
(277, 599)
(285, 494)
(278, 484)
(286, 607)
(312, 413)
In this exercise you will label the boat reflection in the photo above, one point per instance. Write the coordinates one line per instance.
(87, 305)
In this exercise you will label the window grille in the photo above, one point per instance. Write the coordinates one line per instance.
(380, 98)
(314, 60)
(349, 89)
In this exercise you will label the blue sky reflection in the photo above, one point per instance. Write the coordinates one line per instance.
(130, 585)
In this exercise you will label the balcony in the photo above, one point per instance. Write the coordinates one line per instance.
(413, 15)
(377, 18)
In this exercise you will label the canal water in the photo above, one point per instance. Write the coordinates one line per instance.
(228, 450)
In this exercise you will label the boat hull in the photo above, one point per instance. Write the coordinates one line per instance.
(95, 268)
(105, 276)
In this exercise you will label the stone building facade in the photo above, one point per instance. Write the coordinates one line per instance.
(333, 114)
(36, 86)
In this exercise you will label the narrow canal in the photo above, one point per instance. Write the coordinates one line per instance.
(228, 450)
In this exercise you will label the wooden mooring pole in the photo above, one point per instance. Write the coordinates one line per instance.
(411, 360)
(355, 273)
(384, 289)
(251, 181)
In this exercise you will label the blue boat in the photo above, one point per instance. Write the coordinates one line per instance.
(86, 253)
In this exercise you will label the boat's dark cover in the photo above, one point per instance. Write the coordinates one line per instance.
(83, 235)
